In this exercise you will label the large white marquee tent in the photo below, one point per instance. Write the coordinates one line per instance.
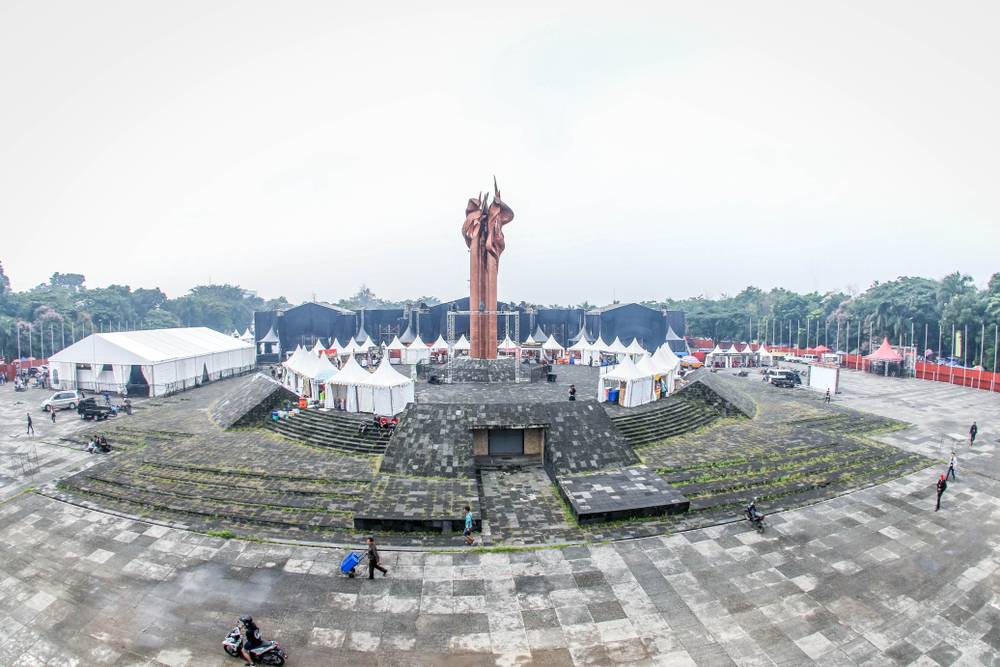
(167, 360)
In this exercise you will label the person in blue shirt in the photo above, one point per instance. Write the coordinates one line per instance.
(469, 539)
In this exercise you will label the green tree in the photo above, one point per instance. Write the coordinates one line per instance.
(71, 281)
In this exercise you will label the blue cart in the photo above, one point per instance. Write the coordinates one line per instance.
(351, 561)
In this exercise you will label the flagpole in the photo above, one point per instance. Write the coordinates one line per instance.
(996, 344)
(982, 362)
(965, 353)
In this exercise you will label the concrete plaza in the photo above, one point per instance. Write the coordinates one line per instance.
(872, 577)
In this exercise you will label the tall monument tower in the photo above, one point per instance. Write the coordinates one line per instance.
(483, 232)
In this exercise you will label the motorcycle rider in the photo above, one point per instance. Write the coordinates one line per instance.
(251, 638)
(751, 511)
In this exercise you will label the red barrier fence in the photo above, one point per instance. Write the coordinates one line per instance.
(10, 369)
(966, 377)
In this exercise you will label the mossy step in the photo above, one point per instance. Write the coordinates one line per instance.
(264, 483)
(145, 501)
(236, 495)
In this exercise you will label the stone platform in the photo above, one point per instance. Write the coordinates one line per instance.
(464, 370)
(620, 494)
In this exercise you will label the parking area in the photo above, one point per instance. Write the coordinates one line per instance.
(30, 459)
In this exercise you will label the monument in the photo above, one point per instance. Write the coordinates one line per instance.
(483, 232)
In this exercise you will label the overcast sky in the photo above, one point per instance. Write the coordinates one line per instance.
(652, 150)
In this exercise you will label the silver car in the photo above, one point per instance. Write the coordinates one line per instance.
(62, 400)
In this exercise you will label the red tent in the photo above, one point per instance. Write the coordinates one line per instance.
(884, 353)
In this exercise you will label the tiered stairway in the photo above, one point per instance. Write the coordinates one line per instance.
(335, 430)
(675, 417)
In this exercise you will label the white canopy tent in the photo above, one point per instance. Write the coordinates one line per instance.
(395, 349)
(384, 392)
(635, 348)
(764, 358)
(716, 355)
(507, 345)
(167, 360)
(318, 348)
(462, 346)
(247, 336)
(552, 345)
(582, 350)
(617, 348)
(440, 345)
(417, 351)
(635, 387)
(668, 364)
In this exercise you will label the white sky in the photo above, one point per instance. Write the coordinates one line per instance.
(666, 149)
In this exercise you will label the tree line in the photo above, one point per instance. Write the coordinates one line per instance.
(924, 312)
(909, 310)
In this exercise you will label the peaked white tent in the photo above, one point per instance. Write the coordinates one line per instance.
(247, 336)
(507, 345)
(154, 362)
(552, 345)
(391, 390)
(667, 364)
(635, 348)
(462, 346)
(440, 345)
(600, 346)
(384, 392)
(318, 348)
(417, 351)
(634, 386)
(395, 349)
(269, 343)
(617, 348)
(716, 355)
(764, 358)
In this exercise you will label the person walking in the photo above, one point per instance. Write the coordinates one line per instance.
(373, 560)
(952, 466)
(827, 399)
(572, 392)
(972, 434)
(469, 538)
(52, 414)
(31, 425)
(941, 486)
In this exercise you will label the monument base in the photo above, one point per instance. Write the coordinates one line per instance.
(466, 370)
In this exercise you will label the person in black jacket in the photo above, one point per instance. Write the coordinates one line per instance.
(972, 433)
(941, 486)
(373, 560)
(251, 637)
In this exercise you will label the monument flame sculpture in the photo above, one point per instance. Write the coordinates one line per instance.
(483, 232)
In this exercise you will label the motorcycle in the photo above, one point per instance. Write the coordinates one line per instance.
(268, 653)
(754, 517)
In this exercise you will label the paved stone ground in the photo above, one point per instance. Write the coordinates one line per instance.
(941, 415)
(874, 577)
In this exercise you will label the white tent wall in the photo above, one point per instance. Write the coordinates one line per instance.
(170, 359)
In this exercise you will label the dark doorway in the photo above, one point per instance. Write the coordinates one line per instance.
(137, 384)
(506, 442)
(204, 374)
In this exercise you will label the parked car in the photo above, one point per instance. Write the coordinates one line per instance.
(773, 374)
(783, 382)
(62, 400)
(89, 408)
